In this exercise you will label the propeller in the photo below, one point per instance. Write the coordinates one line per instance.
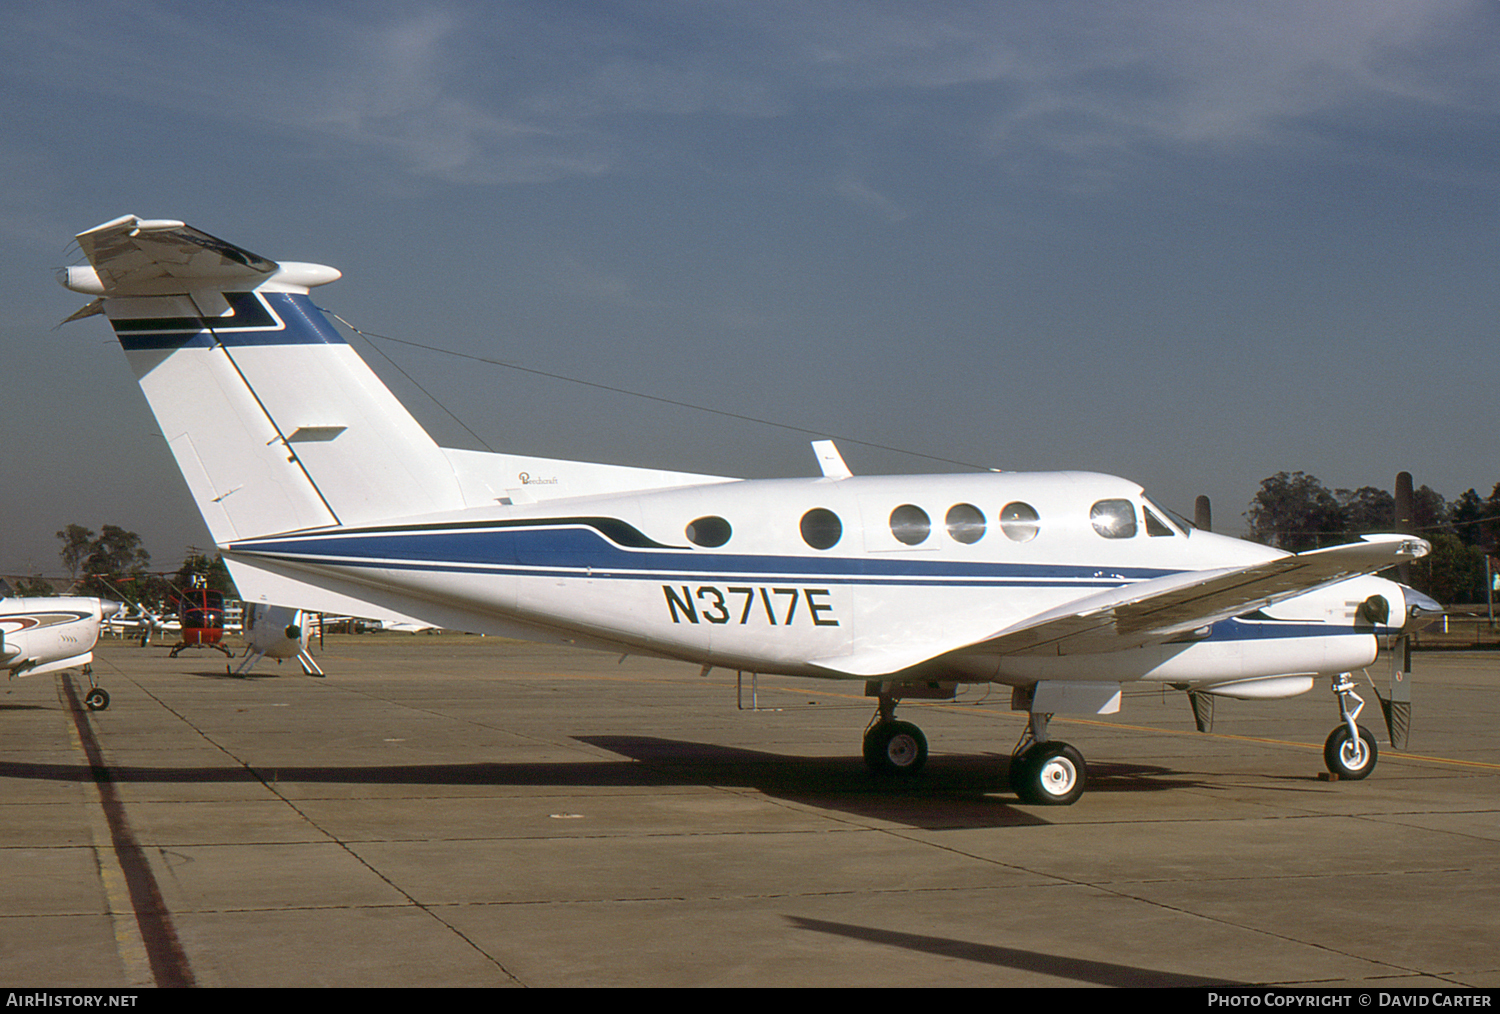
(1203, 704)
(1397, 707)
(1405, 517)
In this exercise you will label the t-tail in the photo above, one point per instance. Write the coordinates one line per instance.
(275, 421)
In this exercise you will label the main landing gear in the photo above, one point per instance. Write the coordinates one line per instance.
(1043, 772)
(1046, 772)
(892, 747)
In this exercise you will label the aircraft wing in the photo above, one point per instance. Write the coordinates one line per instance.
(1157, 610)
(129, 254)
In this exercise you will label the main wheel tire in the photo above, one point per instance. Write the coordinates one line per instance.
(1349, 758)
(96, 699)
(895, 748)
(1019, 773)
(1049, 774)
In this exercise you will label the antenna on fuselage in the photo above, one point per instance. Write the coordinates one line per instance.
(830, 460)
(1203, 515)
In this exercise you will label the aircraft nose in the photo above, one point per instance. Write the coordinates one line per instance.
(108, 608)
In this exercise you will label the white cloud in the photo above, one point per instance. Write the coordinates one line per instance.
(498, 93)
(865, 196)
(1079, 75)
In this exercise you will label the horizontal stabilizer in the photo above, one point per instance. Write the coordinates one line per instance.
(132, 256)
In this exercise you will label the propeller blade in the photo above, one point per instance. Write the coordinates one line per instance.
(1397, 708)
(1203, 708)
(1405, 517)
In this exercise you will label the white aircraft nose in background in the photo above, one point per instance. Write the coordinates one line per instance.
(42, 635)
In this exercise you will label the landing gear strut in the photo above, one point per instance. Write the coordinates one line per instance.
(1350, 750)
(97, 699)
(1046, 772)
(892, 747)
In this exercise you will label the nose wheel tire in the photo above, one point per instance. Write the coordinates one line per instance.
(1350, 758)
(1048, 774)
(895, 748)
(96, 699)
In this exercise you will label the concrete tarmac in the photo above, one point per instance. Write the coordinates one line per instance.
(445, 810)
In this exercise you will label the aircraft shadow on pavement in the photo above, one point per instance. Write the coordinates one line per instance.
(952, 792)
(1080, 970)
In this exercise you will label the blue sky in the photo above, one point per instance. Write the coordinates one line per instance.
(1191, 243)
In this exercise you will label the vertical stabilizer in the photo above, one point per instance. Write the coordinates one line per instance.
(275, 422)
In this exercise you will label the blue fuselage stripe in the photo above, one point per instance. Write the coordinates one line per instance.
(552, 550)
(572, 550)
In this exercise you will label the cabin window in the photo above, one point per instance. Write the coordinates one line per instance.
(1114, 519)
(821, 529)
(1019, 521)
(965, 523)
(710, 532)
(910, 524)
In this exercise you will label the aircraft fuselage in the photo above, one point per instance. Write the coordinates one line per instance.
(772, 575)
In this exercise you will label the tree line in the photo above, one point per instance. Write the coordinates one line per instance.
(1295, 511)
(113, 564)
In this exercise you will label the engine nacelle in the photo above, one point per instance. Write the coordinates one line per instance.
(1264, 688)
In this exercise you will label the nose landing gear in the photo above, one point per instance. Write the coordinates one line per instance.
(97, 699)
(1350, 751)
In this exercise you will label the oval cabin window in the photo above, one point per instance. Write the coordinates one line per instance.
(1019, 522)
(965, 523)
(710, 532)
(821, 529)
(910, 524)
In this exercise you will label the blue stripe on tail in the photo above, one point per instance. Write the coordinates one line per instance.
(257, 318)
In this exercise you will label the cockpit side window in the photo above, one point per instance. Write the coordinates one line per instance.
(1175, 523)
(1154, 525)
(1114, 519)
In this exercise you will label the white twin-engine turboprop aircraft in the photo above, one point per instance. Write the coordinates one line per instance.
(323, 493)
